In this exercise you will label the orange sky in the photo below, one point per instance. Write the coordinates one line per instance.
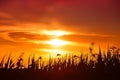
(37, 26)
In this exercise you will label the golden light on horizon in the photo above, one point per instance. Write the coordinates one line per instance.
(57, 42)
(54, 52)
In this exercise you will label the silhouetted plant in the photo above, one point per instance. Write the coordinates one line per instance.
(101, 65)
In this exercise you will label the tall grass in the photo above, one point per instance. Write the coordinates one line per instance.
(70, 67)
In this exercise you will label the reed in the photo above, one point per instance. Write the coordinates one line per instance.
(70, 67)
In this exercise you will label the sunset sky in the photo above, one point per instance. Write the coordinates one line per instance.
(57, 26)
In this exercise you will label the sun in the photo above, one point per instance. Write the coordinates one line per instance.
(57, 42)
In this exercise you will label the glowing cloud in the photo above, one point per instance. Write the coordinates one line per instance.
(56, 33)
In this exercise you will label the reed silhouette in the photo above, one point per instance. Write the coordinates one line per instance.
(101, 66)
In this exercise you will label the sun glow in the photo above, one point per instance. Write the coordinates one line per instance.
(57, 42)
(55, 52)
(56, 33)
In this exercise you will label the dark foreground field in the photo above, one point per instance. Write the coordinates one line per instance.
(101, 66)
